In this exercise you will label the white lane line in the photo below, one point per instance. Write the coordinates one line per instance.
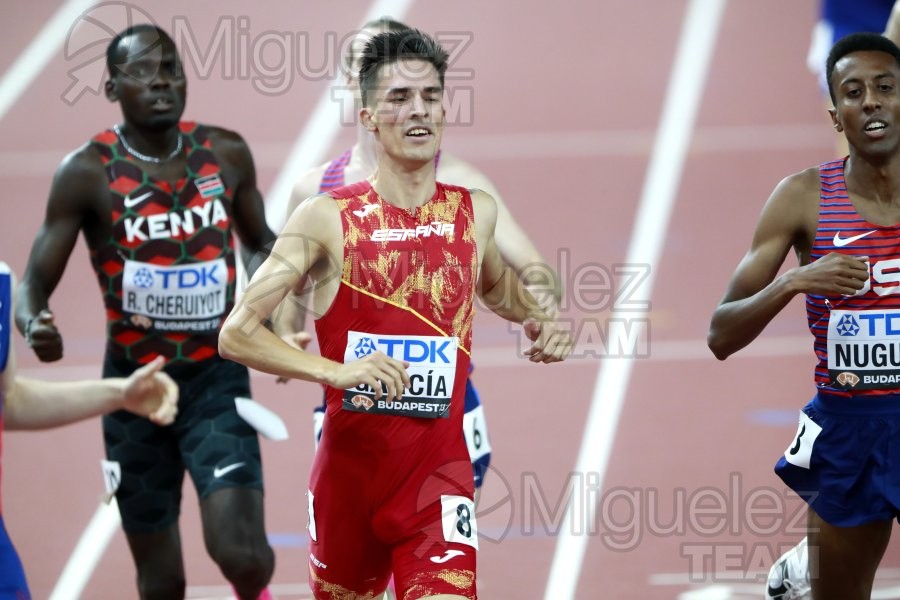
(315, 139)
(90, 548)
(320, 131)
(683, 96)
(35, 57)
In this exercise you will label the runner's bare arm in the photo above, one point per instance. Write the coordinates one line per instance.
(35, 404)
(78, 195)
(516, 248)
(249, 210)
(504, 294)
(306, 247)
(756, 293)
(290, 318)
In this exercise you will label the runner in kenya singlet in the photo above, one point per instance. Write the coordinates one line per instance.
(168, 273)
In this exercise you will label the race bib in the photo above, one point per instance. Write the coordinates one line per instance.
(864, 349)
(175, 298)
(458, 520)
(801, 449)
(432, 371)
(476, 433)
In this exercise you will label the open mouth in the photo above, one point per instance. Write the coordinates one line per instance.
(418, 132)
(875, 128)
(162, 104)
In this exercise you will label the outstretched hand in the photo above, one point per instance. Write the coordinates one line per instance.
(551, 344)
(151, 393)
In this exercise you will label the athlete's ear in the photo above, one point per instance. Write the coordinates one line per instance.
(367, 118)
(834, 120)
(109, 88)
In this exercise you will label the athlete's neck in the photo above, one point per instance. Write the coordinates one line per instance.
(404, 187)
(878, 181)
(151, 142)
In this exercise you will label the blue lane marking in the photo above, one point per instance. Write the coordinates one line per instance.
(773, 418)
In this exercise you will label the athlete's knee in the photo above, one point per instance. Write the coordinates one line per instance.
(248, 564)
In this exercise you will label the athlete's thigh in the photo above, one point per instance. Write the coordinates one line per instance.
(219, 448)
(344, 553)
(441, 557)
(150, 471)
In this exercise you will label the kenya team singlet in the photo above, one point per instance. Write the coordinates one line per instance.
(168, 272)
(857, 338)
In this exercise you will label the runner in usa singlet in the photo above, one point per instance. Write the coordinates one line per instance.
(857, 338)
(407, 289)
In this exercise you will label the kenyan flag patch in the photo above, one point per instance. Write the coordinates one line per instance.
(210, 186)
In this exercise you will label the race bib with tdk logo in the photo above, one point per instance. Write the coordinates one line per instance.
(432, 370)
(864, 349)
(175, 298)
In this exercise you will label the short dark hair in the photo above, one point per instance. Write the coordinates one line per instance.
(389, 47)
(381, 25)
(113, 47)
(858, 42)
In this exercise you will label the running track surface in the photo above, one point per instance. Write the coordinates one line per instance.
(559, 104)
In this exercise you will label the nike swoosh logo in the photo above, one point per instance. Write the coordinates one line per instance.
(448, 554)
(129, 201)
(217, 472)
(361, 213)
(841, 242)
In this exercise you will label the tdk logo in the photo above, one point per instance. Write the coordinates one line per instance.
(847, 326)
(143, 278)
(410, 350)
(184, 277)
(364, 347)
(877, 323)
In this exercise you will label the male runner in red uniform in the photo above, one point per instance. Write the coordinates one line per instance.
(358, 163)
(158, 200)
(395, 263)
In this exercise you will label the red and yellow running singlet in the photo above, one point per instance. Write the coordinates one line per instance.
(407, 289)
